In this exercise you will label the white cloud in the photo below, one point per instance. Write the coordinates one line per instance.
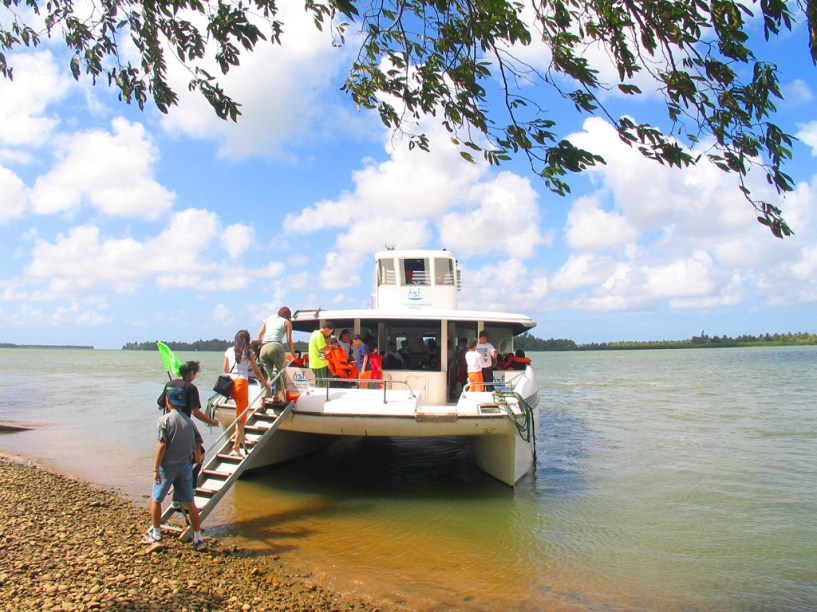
(37, 84)
(81, 261)
(504, 286)
(591, 228)
(237, 238)
(505, 219)
(797, 93)
(111, 171)
(13, 195)
(284, 92)
(397, 200)
(582, 270)
(808, 134)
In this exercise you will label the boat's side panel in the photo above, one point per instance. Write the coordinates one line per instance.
(506, 458)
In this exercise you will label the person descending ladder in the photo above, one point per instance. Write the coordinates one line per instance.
(221, 469)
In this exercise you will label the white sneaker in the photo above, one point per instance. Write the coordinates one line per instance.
(152, 536)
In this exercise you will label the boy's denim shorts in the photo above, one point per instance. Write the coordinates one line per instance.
(181, 477)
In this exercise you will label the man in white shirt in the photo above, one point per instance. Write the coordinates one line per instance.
(487, 359)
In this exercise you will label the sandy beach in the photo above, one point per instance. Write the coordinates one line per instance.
(68, 545)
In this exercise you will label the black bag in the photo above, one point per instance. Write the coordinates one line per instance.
(224, 385)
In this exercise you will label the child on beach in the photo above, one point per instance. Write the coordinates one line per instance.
(178, 445)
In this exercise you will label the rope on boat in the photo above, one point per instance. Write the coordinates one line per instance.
(524, 423)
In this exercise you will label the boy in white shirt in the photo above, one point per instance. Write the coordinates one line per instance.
(474, 365)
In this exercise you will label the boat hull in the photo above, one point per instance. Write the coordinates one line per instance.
(323, 415)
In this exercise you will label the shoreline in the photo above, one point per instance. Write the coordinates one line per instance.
(67, 544)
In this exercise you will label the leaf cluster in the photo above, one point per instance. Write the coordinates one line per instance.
(442, 58)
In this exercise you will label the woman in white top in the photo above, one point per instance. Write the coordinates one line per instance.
(237, 361)
(274, 332)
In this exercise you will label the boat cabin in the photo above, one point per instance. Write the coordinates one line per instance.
(415, 308)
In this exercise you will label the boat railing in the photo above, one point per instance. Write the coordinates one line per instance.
(384, 383)
(498, 385)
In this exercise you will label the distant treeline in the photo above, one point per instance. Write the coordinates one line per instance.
(199, 345)
(529, 342)
(45, 346)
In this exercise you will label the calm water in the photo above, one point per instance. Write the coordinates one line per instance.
(665, 480)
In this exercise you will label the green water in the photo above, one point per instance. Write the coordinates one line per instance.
(665, 480)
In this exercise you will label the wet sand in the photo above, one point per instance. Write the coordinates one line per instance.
(68, 545)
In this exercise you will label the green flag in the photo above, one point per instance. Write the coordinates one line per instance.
(170, 360)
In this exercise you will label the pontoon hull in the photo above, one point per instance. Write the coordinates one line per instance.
(499, 449)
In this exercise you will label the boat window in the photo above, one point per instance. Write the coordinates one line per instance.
(416, 272)
(443, 271)
(385, 273)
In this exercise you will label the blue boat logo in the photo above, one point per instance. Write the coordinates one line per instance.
(298, 377)
(414, 295)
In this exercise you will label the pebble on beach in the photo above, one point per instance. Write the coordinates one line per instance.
(67, 545)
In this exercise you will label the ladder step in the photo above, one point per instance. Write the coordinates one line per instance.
(204, 491)
(229, 458)
(215, 474)
(255, 429)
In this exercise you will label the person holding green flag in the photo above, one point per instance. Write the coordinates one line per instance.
(187, 374)
(170, 361)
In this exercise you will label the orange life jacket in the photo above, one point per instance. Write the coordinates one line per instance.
(339, 366)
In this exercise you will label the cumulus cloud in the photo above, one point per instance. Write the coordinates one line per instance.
(504, 218)
(808, 134)
(506, 285)
(13, 195)
(237, 238)
(589, 227)
(111, 171)
(284, 93)
(650, 235)
(417, 199)
(38, 83)
(797, 93)
(82, 261)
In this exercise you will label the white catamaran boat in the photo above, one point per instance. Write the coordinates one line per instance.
(415, 301)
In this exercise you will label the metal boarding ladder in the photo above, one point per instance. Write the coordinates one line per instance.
(221, 470)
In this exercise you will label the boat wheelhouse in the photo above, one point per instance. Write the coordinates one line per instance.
(414, 307)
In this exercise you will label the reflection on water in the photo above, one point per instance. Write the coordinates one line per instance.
(664, 480)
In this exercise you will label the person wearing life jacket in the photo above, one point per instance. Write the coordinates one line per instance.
(376, 360)
(339, 366)
(513, 361)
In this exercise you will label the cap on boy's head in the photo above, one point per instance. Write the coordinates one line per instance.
(472, 343)
(482, 334)
(177, 397)
(356, 337)
(333, 340)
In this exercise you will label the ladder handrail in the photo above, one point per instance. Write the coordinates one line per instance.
(229, 429)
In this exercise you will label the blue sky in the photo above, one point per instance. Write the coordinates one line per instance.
(118, 225)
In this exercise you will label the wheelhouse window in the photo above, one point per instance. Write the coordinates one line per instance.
(444, 271)
(385, 273)
(416, 271)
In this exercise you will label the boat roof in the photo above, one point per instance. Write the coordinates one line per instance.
(304, 320)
